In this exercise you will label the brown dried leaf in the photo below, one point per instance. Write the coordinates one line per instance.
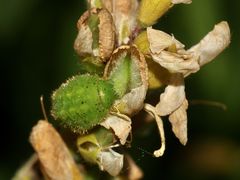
(172, 97)
(52, 152)
(212, 44)
(120, 124)
(178, 120)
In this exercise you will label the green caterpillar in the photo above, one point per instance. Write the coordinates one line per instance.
(85, 100)
(82, 102)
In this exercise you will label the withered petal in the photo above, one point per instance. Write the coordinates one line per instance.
(178, 119)
(212, 44)
(120, 124)
(173, 96)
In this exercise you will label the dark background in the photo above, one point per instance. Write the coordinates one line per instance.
(36, 39)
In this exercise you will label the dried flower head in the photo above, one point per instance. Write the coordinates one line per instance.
(96, 34)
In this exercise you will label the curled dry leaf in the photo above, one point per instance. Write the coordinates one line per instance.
(178, 120)
(120, 124)
(52, 152)
(212, 44)
(173, 96)
(96, 34)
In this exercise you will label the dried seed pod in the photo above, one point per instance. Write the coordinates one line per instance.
(128, 71)
(96, 34)
(82, 102)
(96, 149)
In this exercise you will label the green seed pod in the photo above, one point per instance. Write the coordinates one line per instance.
(82, 102)
(128, 70)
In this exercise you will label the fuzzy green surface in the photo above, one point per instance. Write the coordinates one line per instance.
(120, 75)
(126, 75)
(82, 102)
